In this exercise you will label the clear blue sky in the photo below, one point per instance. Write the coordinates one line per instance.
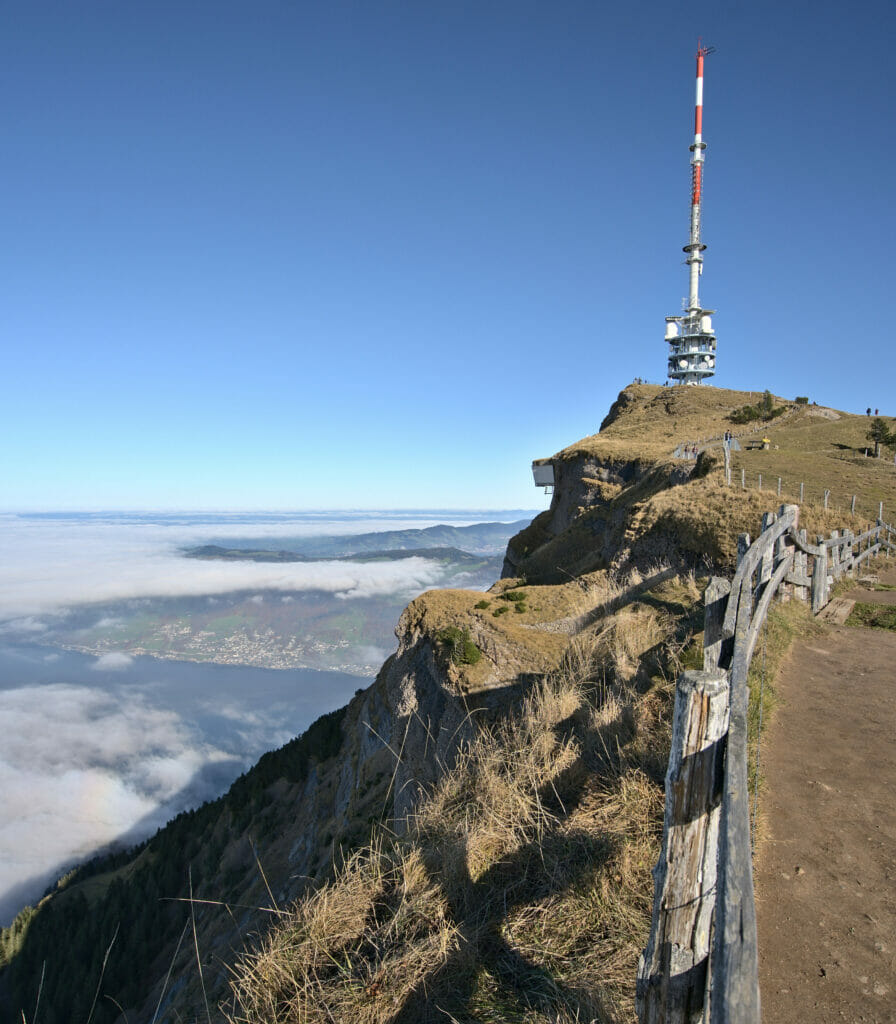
(384, 254)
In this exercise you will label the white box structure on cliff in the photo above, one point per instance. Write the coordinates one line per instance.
(543, 474)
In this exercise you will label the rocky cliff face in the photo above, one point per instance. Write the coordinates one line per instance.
(588, 526)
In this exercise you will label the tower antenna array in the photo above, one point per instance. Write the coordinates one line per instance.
(692, 355)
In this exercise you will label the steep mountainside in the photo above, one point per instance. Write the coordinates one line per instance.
(541, 704)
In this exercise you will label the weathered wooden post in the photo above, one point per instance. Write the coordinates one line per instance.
(760, 481)
(820, 578)
(716, 648)
(852, 509)
(743, 479)
(768, 555)
(672, 971)
(834, 557)
(779, 487)
(802, 485)
(784, 589)
(801, 567)
(734, 995)
(827, 495)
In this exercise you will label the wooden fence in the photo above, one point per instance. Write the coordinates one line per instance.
(701, 960)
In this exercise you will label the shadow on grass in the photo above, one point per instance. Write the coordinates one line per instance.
(486, 978)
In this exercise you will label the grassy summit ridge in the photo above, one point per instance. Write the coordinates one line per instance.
(623, 499)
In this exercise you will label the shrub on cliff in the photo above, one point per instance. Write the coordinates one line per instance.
(458, 645)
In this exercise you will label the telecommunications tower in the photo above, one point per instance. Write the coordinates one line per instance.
(692, 344)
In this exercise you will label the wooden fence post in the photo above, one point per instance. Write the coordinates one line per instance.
(716, 648)
(734, 996)
(802, 485)
(781, 544)
(820, 578)
(767, 564)
(672, 971)
(801, 567)
(834, 557)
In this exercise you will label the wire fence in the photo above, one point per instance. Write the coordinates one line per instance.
(840, 502)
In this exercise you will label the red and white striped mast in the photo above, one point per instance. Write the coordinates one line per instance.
(693, 345)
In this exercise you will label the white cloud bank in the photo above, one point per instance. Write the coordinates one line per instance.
(114, 661)
(47, 566)
(81, 767)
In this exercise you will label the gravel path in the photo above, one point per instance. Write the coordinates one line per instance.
(826, 869)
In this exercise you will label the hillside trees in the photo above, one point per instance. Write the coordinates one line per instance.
(765, 409)
(880, 433)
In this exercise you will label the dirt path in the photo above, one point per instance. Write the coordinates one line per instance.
(826, 871)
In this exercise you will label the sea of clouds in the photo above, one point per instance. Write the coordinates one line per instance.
(100, 750)
(49, 564)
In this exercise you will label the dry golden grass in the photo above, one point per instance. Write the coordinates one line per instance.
(824, 455)
(350, 951)
(703, 518)
(823, 449)
(648, 421)
(520, 890)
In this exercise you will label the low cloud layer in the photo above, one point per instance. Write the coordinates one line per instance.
(96, 749)
(47, 566)
(79, 768)
(114, 661)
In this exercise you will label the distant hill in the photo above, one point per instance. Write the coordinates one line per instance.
(479, 539)
(449, 555)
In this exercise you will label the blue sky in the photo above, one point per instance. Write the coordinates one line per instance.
(384, 254)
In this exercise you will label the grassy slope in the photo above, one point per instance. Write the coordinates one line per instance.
(822, 448)
(521, 888)
(700, 520)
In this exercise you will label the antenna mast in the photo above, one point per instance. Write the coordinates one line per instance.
(692, 355)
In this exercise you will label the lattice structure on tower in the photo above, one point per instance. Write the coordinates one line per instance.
(692, 343)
